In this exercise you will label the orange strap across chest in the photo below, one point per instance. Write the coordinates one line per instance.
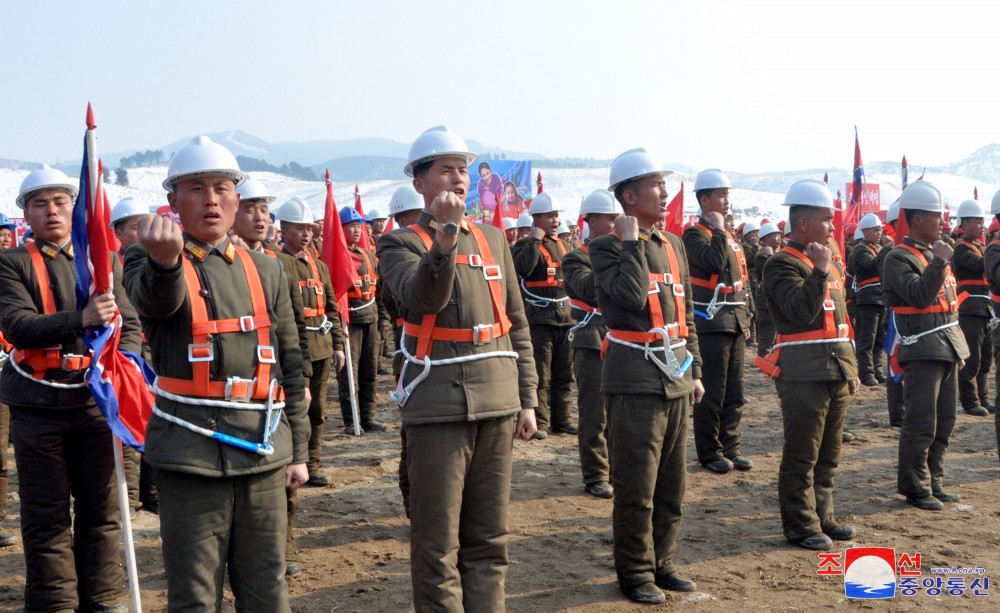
(946, 301)
(371, 278)
(741, 259)
(831, 329)
(316, 284)
(201, 351)
(551, 267)
(426, 332)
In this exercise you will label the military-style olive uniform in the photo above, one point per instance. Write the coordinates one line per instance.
(586, 343)
(991, 260)
(920, 288)
(5, 349)
(72, 560)
(647, 410)
(893, 389)
(974, 315)
(764, 324)
(459, 420)
(221, 504)
(808, 309)
(539, 264)
(715, 258)
(750, 252)
(869, 309)
(366, 314)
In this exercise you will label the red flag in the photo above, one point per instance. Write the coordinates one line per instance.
(498, 217)
(538, 182)
(364, 242)
(838, 221)
(854, 208)
(675, 213)
(343, 273)
(388, 225)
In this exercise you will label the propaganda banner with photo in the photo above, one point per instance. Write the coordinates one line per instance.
(502, 185)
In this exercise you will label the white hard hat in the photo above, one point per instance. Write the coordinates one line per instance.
(524, 220)
(437, 142)
(253, 189)
(509, 223)
(45, 177)
(633, 164)
(809, 192)
(893, 213)
(859, 234)
(599, 201)
(921, 196)
(995, 205)
(295, 210)
(405, 199)
(749, 227)
(200, 158)
(125, 208)
(543, 203)
(713, 178)
(870, 220)
(562, 229)
(374, 214)
(971, 209)
(768, 228)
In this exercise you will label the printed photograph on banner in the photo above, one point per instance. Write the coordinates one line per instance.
(498, 185)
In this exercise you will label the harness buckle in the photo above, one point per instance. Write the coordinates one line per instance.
(738, 286)
(678, 289)
(492, 272)
(828, 305)
(326, 326)
(654, 287)
(843, 331)
(239, 390)
(265, 354)
(247, 323)
(550, 271)
(475, 260)
(69, 358)
(477, 334)
(201, 352)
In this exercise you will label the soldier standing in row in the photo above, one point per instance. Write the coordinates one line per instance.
(869, 308)
(920, 289)
(600, 212)
(770, 243)
(538, 259)
(230, 429)
(721, 299)
(652, 376)
(974, 311)
(456, 290)
(749, 237)
(813, 366)
(893, 383)
(69, 516)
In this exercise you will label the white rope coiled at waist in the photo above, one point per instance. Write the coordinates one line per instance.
(52, 384)
(540, 302)
(362, 306)
(669, 365)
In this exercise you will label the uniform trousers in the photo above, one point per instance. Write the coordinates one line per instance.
(974, 378)
(592, 439)
(209, 523)
(765, 332)
(318, 384)
(363, 342)
(459, 494)
(648, 451)
(812, 413)
(870, 335)
(72, 558)
(554, 363)
(717, 416)
(4, 440)
(930, 390)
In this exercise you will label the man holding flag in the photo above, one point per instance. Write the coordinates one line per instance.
(71, 559)
(230, 429)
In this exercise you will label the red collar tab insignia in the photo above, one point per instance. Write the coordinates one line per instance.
(49, 250)
(229, 252)
(196, 251)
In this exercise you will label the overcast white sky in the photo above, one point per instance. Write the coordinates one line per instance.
(742, 85)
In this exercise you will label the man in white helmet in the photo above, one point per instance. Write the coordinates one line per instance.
(62, 444)
(721, 285)
(974, 310)
(919, 286)
(230, 429)
(813, 366)
(651, 377)
(748, 234)
(468, 386)
(770, 243)
(991, 264)
(869, 308)
(600, 211)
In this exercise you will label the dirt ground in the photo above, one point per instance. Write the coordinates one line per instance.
(353, 535)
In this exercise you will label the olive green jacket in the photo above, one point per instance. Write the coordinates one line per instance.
(160, 298)
(581, 285)
(622, 270)
(430, 282)
(26, 327)
(864, 265)
(531, 266)
(709, 253)
(321, 346)
(969, 265)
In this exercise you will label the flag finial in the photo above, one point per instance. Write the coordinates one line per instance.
(90, 117)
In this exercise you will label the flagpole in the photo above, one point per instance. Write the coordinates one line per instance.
(355, 414)
(133, 573)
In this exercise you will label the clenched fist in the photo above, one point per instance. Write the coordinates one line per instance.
(943, 250)
(447, 207)
(162, 238)
(627, 228)
(537, 233)
(819, 255)
(716, 220)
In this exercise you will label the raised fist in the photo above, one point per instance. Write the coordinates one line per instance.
(627, 228)
(943, 250)
(447, 207)
(819, 255)
(162, 238)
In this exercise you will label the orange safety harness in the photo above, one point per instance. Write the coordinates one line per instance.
(201, 350)
(551, 267)
(944, 303)
(356, 293)
(678, 329)
(712, 282)
(316, 284)
(426, 332)
(966, 287)
(831, 332)
(870, 281)
(49, 358)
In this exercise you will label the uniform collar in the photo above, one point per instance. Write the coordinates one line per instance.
(912, 242)
(199, 250)
(795, 245)
(427, 220)
(971, 241)
(303, 255)
(51, 250)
